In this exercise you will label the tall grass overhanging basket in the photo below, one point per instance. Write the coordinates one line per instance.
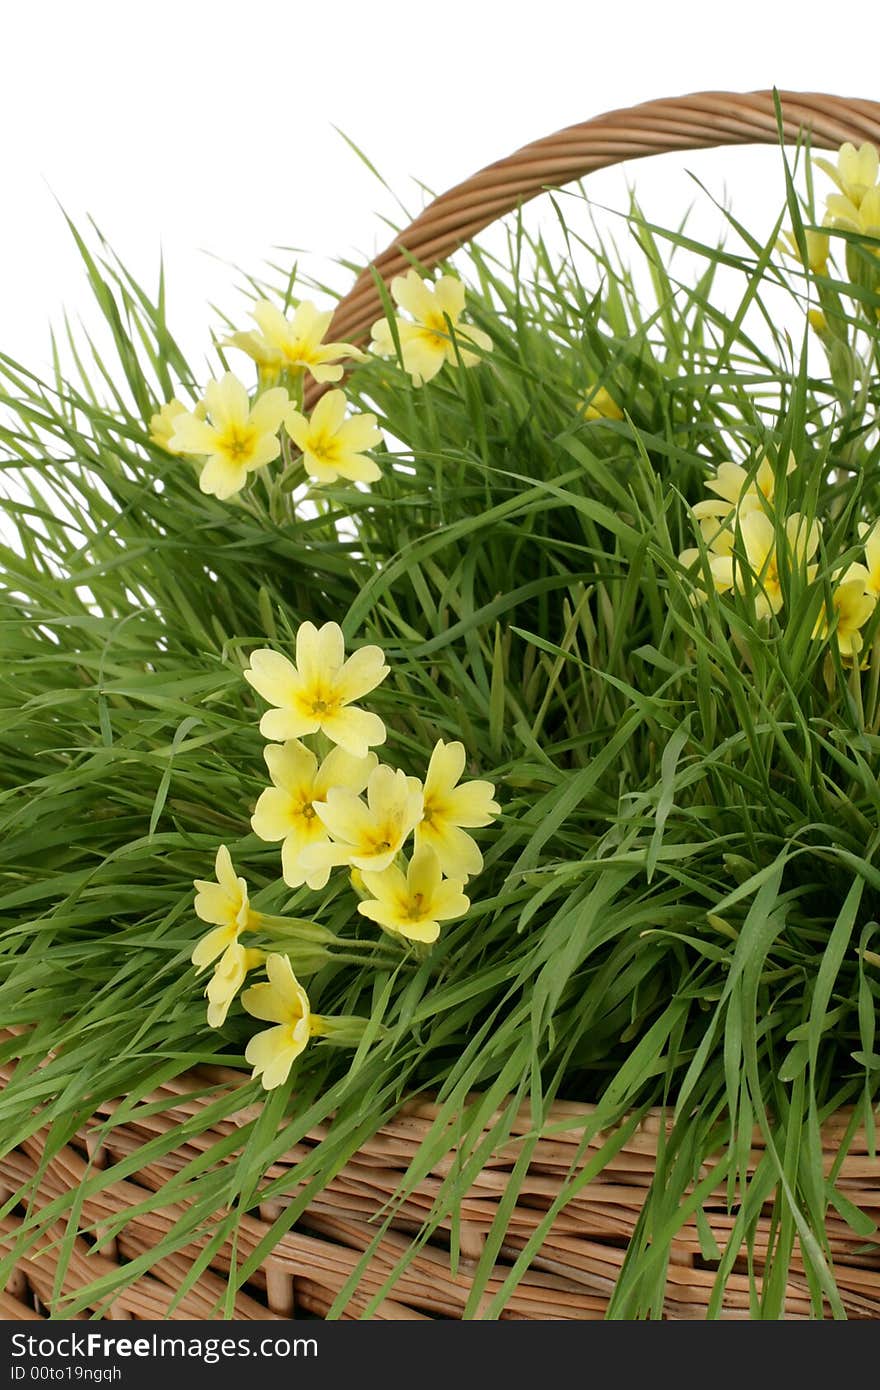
(572, 1275)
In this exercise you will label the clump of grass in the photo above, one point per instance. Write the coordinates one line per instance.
(679, 902)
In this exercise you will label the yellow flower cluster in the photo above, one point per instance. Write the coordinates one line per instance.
(346, 809)
(351, 810)
(741, 536)
(233, 436)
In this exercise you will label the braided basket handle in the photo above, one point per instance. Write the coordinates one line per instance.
(699, 121)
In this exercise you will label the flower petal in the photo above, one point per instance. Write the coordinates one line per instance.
(329, 413)
(227, 402)
(450, 901)
(283, 724)
(412, 294)
(272, 1054)
(214, 904)
(356, 730)
(444, 769)
(457, 853)
(221, 479)
(361, 432)
(273, 677)
(269, 410)
(449, 297)
(212, 945)
(273, 817)
(345, 816)
(423, 876)
(472, 804)
(192, 436)
(340, 769)
(319, 651)
(291, 765)
(361, 673)
(389, 887)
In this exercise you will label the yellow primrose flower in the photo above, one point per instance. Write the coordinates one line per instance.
(282, 1001)
(285, 811)
(332, 447)
(228, 978)
(295, 344)
(817, 244)
(237, 438)
(365, 834)
(413, 905)
(720, 568)
(448, 807)
(599, 404)
(758, 535)
(736, 489)
(224, 903)
(863, 217)
(742, 488)
(427, 342)
(317, 692)
(852, 607)
(856, 171)
(163, 422)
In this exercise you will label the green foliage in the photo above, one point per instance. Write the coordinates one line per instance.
(679, 902)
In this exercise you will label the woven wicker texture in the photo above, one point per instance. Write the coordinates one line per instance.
(571, 1278)
(576, 1268)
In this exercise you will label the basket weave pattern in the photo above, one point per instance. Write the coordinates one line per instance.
(575, 1270)
(571, 1278)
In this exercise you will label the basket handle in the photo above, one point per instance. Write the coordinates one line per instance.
(698, 121)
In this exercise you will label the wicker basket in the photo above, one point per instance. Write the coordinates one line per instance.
(575, 1270)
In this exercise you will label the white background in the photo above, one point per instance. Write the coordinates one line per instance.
(208, 128)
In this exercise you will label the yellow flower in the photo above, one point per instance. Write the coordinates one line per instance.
(816, 246)
(427, 342)
(870, 535)
(856, 171)
(285, 811)
(862, 217)
(282, 1001)
(818, 322)
(599, 404)
(331, 445)
(758, 536)
(224, 903)
(413, 905)
(448, 807)
(162, 424)
(720, 568)
(737, 490)
(237, 438)
(228, 978)
(740, 488)
(365, 834)
(317, 692)
(852, 607)
(293, 344)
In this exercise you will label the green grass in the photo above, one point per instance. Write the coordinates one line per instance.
(680, 898)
